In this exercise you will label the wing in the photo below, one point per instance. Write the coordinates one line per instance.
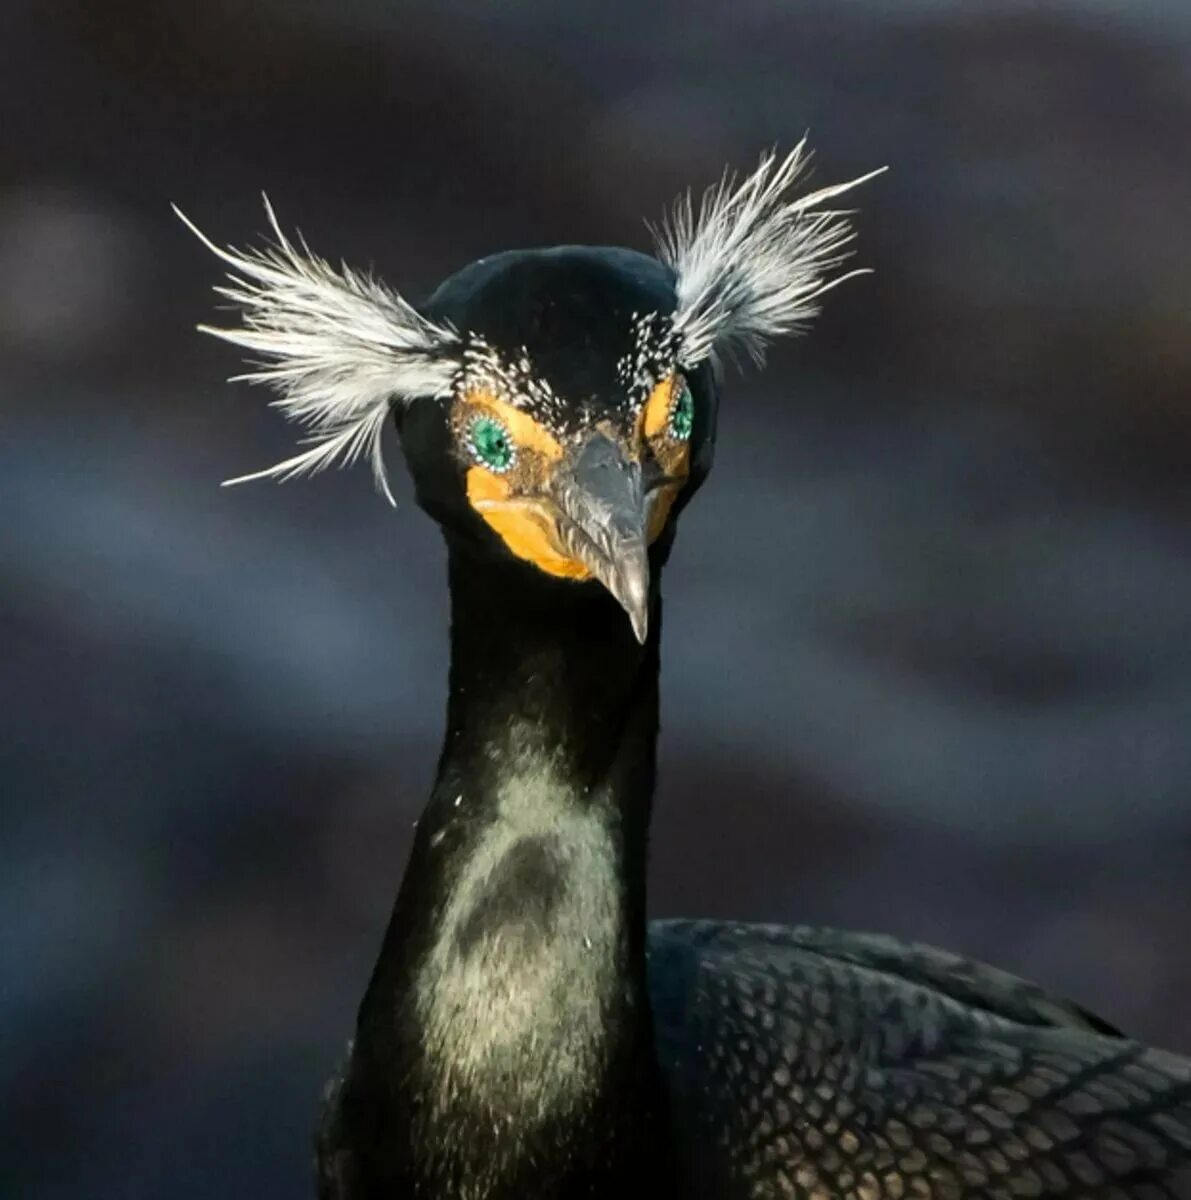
(813, 1063)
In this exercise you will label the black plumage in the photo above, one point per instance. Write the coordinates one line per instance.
(818, 1063)
(526, 1032)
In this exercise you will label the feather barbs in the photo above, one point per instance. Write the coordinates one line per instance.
(751, 262)
(338, 347)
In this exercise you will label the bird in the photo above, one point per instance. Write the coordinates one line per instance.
(527, 1030)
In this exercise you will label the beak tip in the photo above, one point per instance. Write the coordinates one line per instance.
(640, 622)
(631, 588)
(626, 575)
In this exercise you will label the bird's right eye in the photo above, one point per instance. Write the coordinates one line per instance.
(490, 444)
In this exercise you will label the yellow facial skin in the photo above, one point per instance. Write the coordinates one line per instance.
(516, 503)
(512, 501)
(673, 455)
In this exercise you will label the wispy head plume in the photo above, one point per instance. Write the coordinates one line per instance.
(338, 347)
(751, 261)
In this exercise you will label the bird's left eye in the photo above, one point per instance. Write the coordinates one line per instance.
(491, 444)
(682, 412)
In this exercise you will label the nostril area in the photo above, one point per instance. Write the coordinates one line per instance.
(601, 455)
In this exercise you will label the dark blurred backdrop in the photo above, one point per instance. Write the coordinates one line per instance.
(928, 644)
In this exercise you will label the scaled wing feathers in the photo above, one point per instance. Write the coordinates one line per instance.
(751, 261)
(338, 346)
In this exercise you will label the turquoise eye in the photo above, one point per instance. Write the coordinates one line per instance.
(682, 413)
(491, 444)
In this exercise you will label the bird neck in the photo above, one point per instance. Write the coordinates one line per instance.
(511, 998)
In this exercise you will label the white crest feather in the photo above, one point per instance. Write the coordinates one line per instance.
(340, 348)
(751, 262)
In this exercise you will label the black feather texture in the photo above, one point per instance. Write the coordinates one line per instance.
(818, 1063)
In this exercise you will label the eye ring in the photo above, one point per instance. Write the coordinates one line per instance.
(682, 411)
(491, 444)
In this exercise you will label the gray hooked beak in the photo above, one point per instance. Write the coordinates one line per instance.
(606, 513)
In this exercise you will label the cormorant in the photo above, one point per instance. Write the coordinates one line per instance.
(526, 1032)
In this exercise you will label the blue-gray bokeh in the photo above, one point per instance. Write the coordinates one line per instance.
(927, 662)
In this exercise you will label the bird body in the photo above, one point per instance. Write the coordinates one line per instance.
(526, 1032)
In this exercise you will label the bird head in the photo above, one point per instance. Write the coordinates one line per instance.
(572, 437)
(556, 407)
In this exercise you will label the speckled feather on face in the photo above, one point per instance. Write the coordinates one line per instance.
(653, 357)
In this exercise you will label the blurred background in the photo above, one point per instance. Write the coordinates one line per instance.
(928, 639)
